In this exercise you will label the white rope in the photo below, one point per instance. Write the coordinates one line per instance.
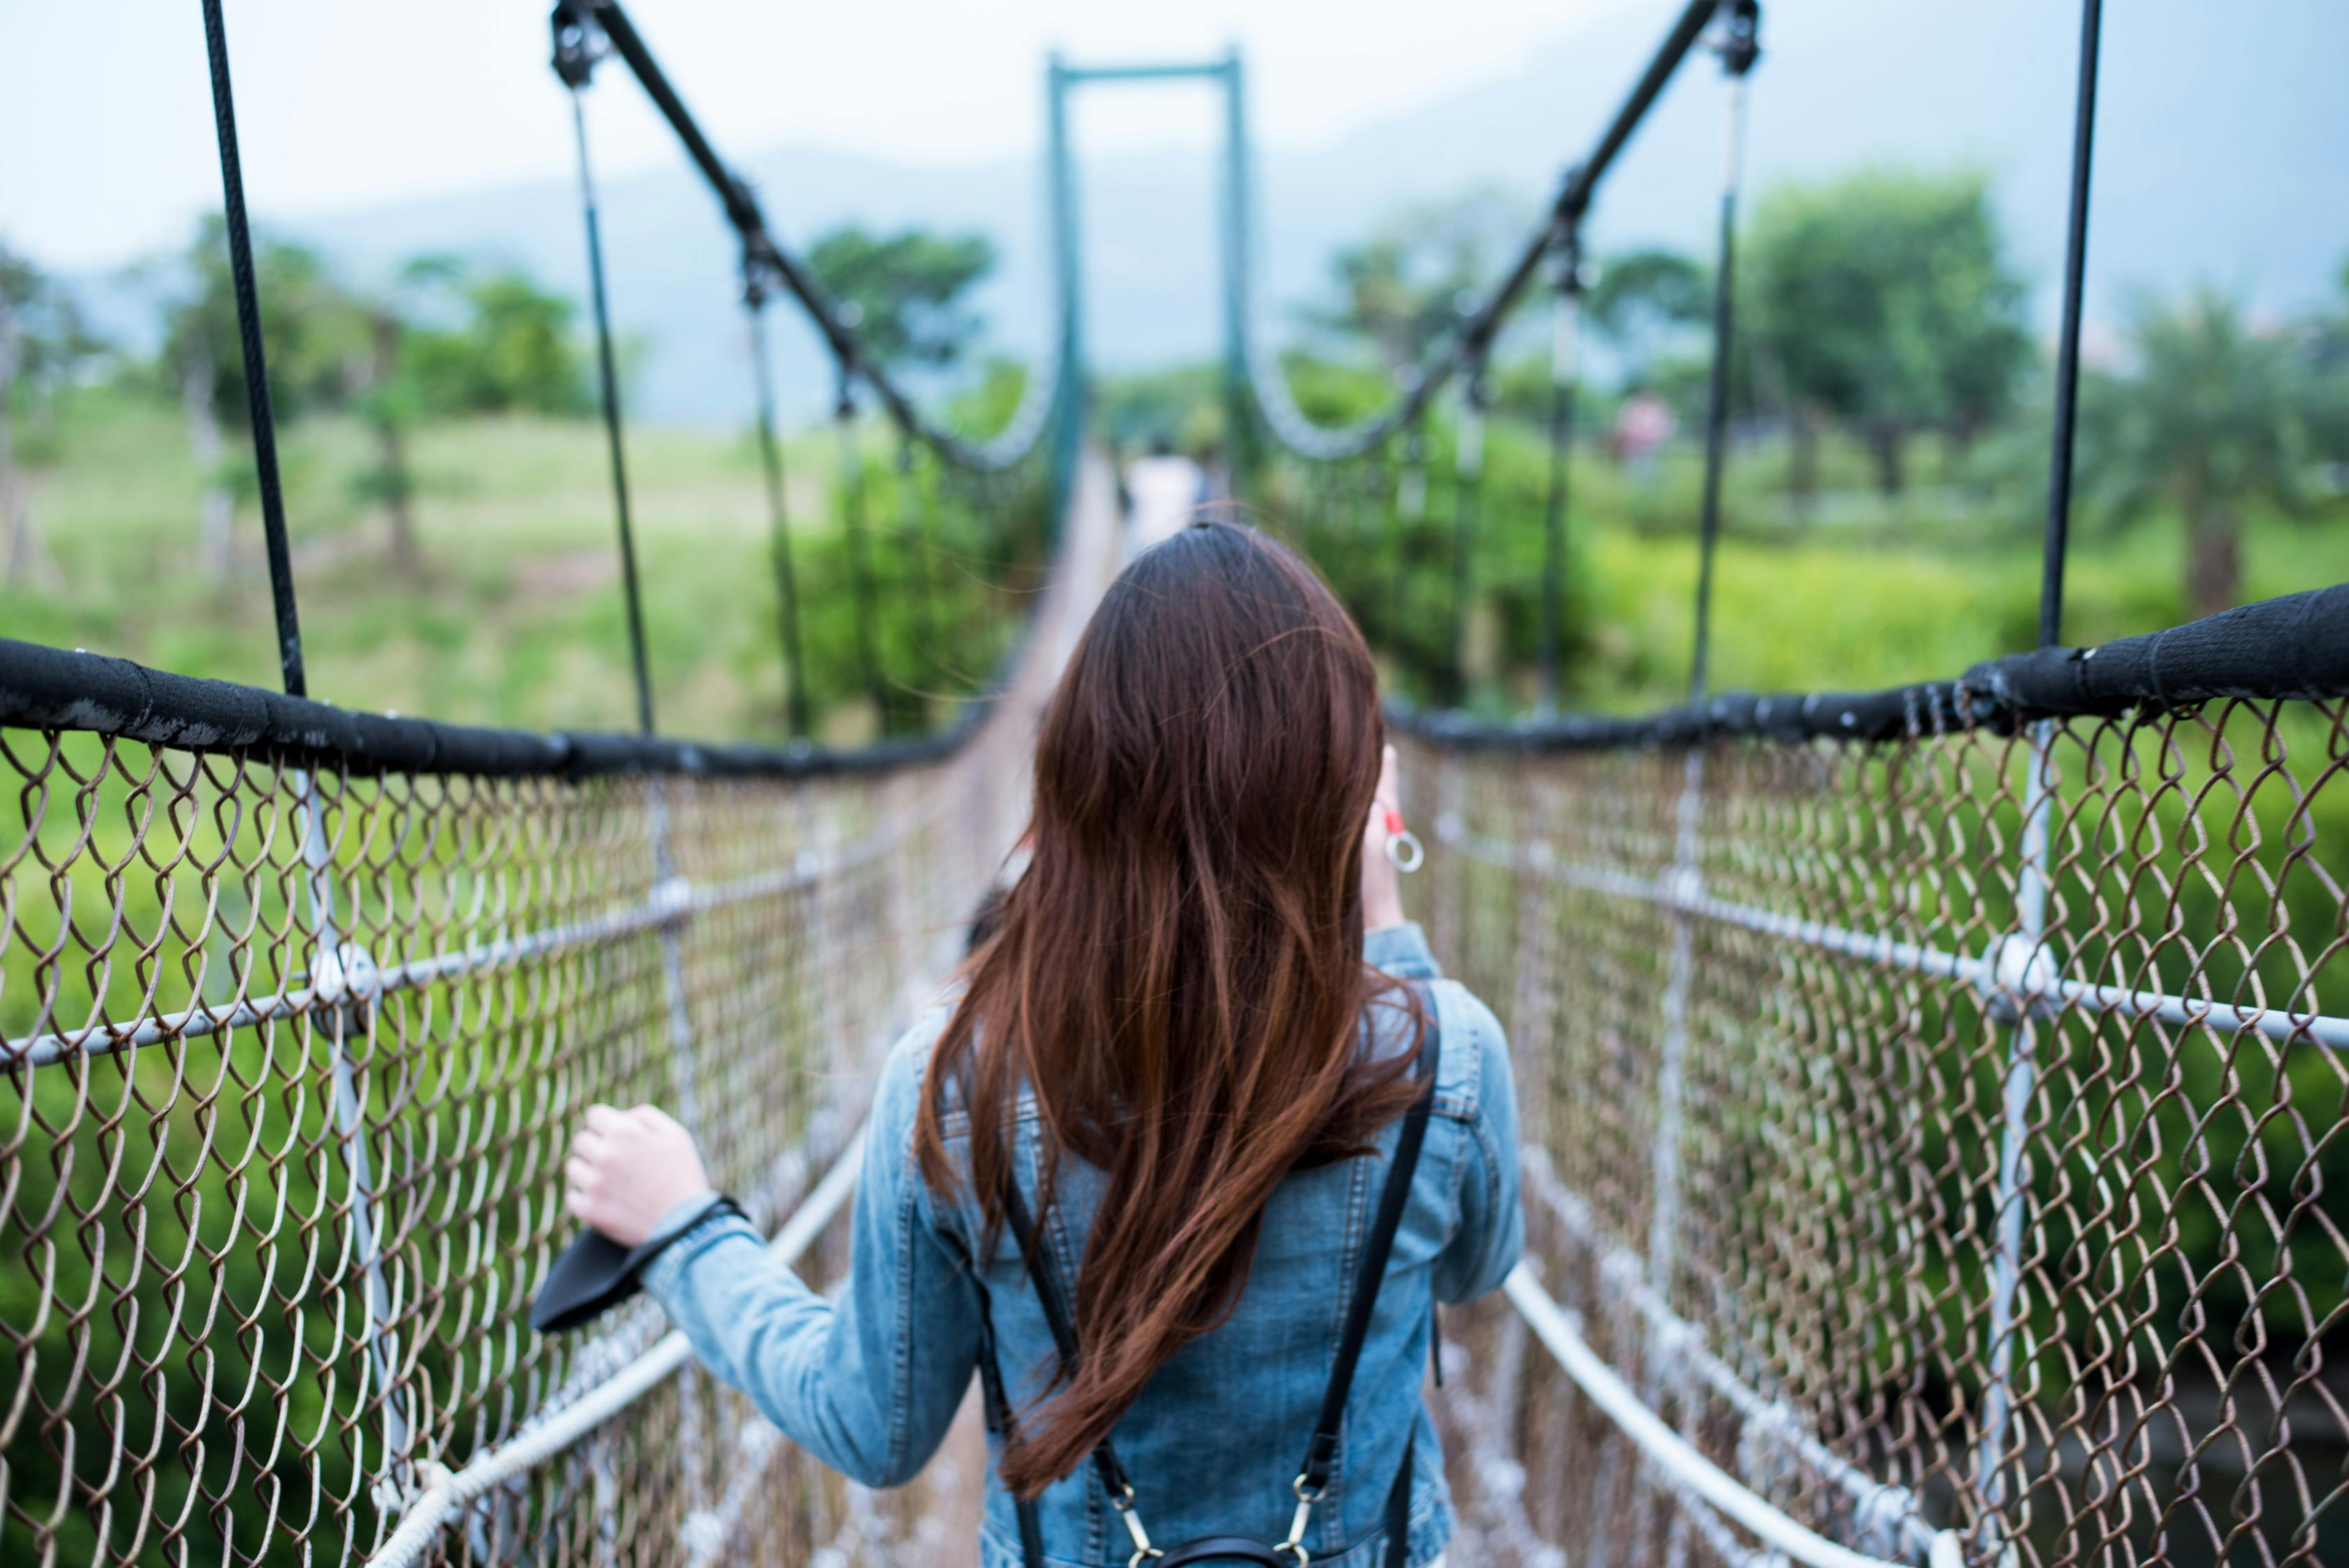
(448, 1492)
(1673, 1454)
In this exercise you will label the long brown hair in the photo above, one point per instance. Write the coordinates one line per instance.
(1178, 975)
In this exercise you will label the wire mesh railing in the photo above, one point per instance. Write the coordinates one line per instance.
(300, 1008)
(1941, 1126)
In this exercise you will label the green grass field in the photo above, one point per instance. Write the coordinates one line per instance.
(517, 617)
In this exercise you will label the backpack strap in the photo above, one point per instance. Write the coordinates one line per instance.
(1313, 1478)
(1321, 1455)
(997, 1405)
(1048, 1295)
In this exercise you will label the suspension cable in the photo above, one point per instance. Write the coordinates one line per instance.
(575, 63)
(1410, 512)
(1740, 46)
(770, 459)
(1564, 341)
(1474, 336)
(1467, 496)
(913, 536)
(860, 563)
(256, 370)
(837, 325)
(2067, 351)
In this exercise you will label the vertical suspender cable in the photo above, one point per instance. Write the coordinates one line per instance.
(2067, 351)
(1562, 375)
(1468, 475)
(770, 458)
(256, 372)
(1740, 47)
(2026, 948)
(860, 563)
(1403, 528)
(914, 540)
(573, 62)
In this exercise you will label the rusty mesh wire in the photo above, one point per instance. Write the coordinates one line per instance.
(1905, 1221)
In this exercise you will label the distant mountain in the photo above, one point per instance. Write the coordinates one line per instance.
(2222, 155)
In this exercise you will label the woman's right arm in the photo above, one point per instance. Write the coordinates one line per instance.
(869, 1384)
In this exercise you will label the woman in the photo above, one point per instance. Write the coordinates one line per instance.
(1178, 1074)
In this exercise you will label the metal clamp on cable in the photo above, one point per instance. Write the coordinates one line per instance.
(596, 1273)
(1741, 35)
(577, 40)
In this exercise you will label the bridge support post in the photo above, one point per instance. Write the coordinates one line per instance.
(1239, 437)
(1060, 181)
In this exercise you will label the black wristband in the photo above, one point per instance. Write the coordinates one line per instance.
(596, 1273)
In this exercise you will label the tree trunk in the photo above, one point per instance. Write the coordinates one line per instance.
(1802, 464)
(2214, 568)
(391, 447)
(12, 500)
(1885, 443)
(216, 517)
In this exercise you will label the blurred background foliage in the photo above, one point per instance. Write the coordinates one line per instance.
(451, 513)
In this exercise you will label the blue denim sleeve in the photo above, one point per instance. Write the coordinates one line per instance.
(1491, 1230)
(867, 1386)
(1400, 950)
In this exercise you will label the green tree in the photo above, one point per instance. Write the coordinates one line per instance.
(2324, 383)
(311, 337)
(43, 341)
(907, 290)
(1644, 301)
(490, 343)
(2208, 422)
(1884, 300)
(1401, 291)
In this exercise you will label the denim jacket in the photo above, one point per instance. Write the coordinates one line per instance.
(870, 1385)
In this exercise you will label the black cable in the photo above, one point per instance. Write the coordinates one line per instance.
(1467, 500)
(256, 370)
(770, 458)
(1563, 388)
(1740, 21)
(1404, 521)
(2067, 351)
(913, 539)
(1476, 333)
(860, 562)
(609, 376)
(741, 207)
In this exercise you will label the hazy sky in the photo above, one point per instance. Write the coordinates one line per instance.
(106, 138)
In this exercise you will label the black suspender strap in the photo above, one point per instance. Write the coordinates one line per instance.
(1392, 1200)
(997, 1405)
(1321, 1455)
(1048, 1296)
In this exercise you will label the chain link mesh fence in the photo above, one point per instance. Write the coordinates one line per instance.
(294, 1054)
(1905, 1219)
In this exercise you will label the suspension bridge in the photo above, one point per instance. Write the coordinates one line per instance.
(1933, 1120)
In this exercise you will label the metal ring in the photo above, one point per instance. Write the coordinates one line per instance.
(1405, 852)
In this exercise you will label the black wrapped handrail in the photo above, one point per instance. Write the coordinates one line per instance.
(2292, 648)
(44, 688)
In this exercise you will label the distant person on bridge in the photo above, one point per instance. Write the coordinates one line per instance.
(1164, 493)
(1182, 1168)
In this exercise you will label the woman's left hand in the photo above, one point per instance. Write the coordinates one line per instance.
(629, 1169)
